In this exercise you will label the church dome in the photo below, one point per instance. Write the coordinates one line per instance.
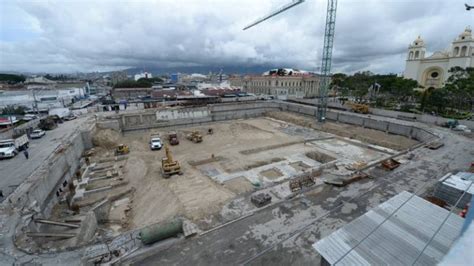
(466, 35)
(418, 42)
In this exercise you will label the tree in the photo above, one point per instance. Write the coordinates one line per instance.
(12, 110)
(461, 85)
(133, 84)
(11, 79)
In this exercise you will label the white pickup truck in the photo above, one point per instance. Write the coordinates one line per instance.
(9, 148)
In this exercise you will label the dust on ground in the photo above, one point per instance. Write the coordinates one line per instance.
(106, 138)
(195, 195)
(350, 131)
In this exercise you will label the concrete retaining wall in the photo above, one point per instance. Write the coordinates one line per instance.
(201, 115)
(398, 129)
(364, 121)
(39, 190)
(351, 119)
(182, 113)
(376, 124)
(221, 112)
(425, 118)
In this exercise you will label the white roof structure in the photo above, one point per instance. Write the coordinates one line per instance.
(460, 181)
(372, 239)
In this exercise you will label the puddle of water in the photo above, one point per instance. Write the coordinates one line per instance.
(272, 173)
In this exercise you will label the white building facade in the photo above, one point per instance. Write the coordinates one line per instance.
(433, 71)
(294, 86)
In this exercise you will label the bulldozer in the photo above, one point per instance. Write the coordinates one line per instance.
(122, 149)
(168, 165)
(194, 136)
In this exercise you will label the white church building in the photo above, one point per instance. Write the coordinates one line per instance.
(432, 71)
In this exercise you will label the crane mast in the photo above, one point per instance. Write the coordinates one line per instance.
(325, 78)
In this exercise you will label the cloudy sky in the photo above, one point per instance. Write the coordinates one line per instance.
(95, 35)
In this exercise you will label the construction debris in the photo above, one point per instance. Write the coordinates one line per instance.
(340, 182)
(390, 164)
(300, 182)
(434, 145)
(45, 234)
(261, 199)
(44, 221)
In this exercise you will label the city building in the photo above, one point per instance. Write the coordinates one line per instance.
(42, 100)
(117, 76)
(281, 86)
(131, 93)
(433, 71)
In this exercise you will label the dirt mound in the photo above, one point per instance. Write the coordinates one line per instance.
(106, 138)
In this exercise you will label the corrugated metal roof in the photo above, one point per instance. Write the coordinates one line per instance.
(399, 240)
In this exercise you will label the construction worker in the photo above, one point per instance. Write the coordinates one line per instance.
(25, 152)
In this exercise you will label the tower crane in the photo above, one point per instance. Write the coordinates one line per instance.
(324, 80)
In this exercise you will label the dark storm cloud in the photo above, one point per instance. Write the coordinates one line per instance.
(79, 35)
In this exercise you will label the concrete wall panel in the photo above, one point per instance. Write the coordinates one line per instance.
(351, 119)
(398, 129)
(334, 116)
(376, 124)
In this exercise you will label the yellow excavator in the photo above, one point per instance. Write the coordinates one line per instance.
(122, 149)
(168, 165)
(359, 108)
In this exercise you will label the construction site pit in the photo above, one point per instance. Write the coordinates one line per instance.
(220, 174)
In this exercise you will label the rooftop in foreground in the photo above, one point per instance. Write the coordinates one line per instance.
(394, 233)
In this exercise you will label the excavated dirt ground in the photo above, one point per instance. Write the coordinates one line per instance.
(344, 130)
(235, 146)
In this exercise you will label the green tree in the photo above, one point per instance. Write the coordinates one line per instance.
(461, 86)
(12, 110)
(11, 79)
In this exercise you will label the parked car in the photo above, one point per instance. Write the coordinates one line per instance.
(29, 117)
(155, 143)
(37, 133)
(70, 117)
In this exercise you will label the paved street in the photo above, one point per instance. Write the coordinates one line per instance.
(14, 171)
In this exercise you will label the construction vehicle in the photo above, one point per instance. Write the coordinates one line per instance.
(194, 136)
(122, 149)
(359, 108)
(452, 123)
(168, 165)
(9, 148)
(173, 138)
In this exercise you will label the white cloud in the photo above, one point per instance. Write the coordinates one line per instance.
(80, 35)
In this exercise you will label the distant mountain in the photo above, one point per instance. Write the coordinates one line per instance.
(201, 69)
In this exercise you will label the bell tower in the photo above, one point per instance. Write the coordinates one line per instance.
(416, 52)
